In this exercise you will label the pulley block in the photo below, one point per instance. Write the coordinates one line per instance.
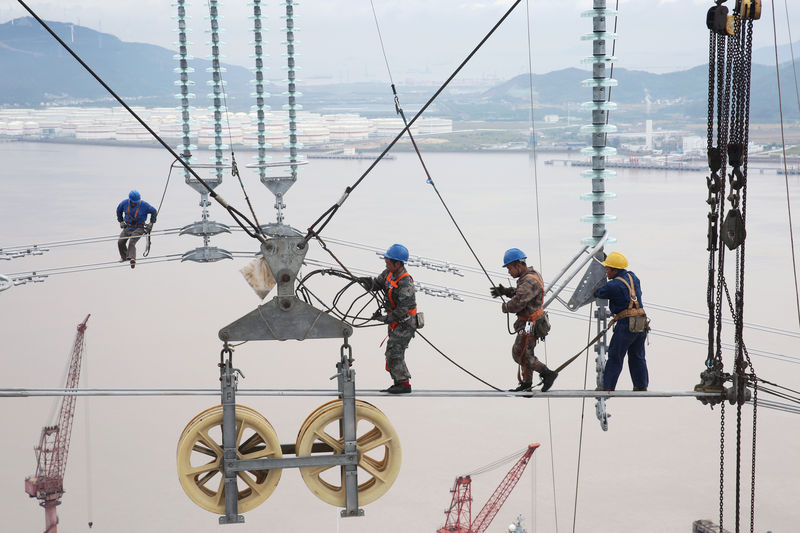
(749, 9)
(733, 231)
(200, 456)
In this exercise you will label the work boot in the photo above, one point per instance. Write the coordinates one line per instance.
(523, 386)
(399, 388)
(640, 389)
(548, 377)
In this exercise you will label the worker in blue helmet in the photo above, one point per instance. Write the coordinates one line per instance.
(400, 306)
(526, 302)
(132, 217)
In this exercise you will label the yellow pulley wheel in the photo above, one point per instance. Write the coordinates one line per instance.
(378, 448)
(200, 456)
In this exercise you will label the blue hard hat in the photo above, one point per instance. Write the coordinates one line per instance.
(513, 254)
(134, 196)
(397, 252)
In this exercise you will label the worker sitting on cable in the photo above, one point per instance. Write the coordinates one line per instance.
(624, 297)
(401, 314)
(526, 301)
(132, 217)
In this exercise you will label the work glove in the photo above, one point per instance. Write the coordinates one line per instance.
(122, 225)
(149, 226)
(366, 282)
(502, 291)
(377, 315)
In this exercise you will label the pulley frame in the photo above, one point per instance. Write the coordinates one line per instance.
(348, 460)
(287, 317)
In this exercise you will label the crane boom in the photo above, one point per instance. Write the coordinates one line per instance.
(459, 513)
(47, 484)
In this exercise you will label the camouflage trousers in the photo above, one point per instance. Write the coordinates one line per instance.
(526, 361)
(396, 346)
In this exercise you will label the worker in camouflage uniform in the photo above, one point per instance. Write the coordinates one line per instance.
(400, 305)
(132, 217)
(526, 301)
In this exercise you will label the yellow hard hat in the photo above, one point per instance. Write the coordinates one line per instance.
(616, 260)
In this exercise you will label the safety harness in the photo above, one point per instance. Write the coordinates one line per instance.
(131, 221)
(522, 369)
(634, 309)
(536, 315)
(391, 284)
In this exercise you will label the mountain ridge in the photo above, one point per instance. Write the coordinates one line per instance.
(143, 74)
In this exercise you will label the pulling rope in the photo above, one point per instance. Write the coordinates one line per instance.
(429, 180)
(783, 146)
(326, 217)
(237, 216)
(456, 364)
(158, 211)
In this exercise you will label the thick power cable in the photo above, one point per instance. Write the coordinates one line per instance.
(235, 213)
(326, 217)
(785, 167)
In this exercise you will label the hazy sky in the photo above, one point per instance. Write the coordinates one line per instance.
(424, 39)
(655, 470)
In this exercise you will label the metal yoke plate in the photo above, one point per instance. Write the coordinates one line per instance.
(285, 316)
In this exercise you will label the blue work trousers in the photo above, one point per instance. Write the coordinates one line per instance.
(622, 342)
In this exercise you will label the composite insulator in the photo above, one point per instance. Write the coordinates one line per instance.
(599, 128)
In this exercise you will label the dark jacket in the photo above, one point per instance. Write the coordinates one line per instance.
(617, 293)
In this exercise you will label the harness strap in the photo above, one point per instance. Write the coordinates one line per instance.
(392, 284)
(536, 315)
(634, 309)
(131, 221)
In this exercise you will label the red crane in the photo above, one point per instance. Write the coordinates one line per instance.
(459, 515)
(47, 484)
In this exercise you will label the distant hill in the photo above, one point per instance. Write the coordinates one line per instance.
(43, 72)
(675, 94)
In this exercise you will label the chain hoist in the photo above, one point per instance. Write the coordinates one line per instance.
(729, 69)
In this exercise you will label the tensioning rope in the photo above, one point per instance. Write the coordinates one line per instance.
(237, 216)
(146, 251)
(399, 110)
(326, 217)
(783, 145)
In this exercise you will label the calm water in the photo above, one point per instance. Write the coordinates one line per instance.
(156, 327)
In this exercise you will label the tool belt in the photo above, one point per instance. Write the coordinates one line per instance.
(637, 318)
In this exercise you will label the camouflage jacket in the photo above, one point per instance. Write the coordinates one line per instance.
(403, 296)
(528, 297)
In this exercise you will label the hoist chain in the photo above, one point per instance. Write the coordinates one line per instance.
(738, 459)
(721, 463)
(753, 465)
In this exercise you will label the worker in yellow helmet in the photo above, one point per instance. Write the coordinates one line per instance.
(624, 295)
